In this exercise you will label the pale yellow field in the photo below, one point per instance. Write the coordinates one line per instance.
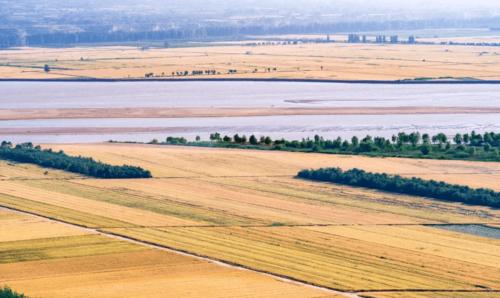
(18, 227)
(169, 162)
(15, 171)
(305, 61)
(246, 208)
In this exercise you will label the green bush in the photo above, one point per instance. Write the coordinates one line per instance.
(8, 293)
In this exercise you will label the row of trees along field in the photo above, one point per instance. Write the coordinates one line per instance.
(27, 153)
(409, 186)
(468, 146)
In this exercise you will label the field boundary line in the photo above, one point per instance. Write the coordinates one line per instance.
(223, 176)
(429, 291)
(298, 80)
(307, 225)
(152, 178)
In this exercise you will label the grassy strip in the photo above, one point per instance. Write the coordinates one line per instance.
(409, 186)
(26, 153)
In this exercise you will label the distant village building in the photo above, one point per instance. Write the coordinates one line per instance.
(353, 38)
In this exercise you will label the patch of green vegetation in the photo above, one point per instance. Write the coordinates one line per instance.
(62, 247)
(409, 186)
(26, 153)
(278, 224)
(468, 146)
(7, 292)
(60, 213)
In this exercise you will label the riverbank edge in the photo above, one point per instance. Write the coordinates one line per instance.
(387, 82)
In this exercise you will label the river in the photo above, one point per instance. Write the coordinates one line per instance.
(74, 95)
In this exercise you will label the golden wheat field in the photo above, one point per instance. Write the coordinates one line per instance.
(334, 61)
(243, 208)
(44, 258)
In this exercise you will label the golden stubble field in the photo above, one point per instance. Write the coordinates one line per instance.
(335, 61)
(43, 258)
(246, 208)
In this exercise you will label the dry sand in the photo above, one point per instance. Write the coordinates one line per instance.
(83, 113)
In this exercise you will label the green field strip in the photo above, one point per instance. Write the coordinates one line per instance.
(59, 213)
(62, 247)
(161, 204)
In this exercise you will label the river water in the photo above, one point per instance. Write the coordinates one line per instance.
(26, 95)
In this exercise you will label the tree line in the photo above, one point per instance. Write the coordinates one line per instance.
(466, 146)
(27, 153)
(409, 186)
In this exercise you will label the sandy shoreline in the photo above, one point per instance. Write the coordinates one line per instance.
(105, 113)
(90, 130)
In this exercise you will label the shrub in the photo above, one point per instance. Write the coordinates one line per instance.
(8, 293)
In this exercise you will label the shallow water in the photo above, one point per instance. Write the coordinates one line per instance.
(240, 94)
(290, 127)
(478, 230)
(23, 95)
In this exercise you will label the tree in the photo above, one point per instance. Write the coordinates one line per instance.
(198, 138)
(426, 138)
(253, 140)
(440, 138)
(268, 141)
(355, 141)
(414, 138)
(215, 136)
(458, 139)
(466, 138)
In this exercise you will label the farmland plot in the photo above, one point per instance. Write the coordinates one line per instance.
(307, 61)
(43, 258)
(246, 208)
